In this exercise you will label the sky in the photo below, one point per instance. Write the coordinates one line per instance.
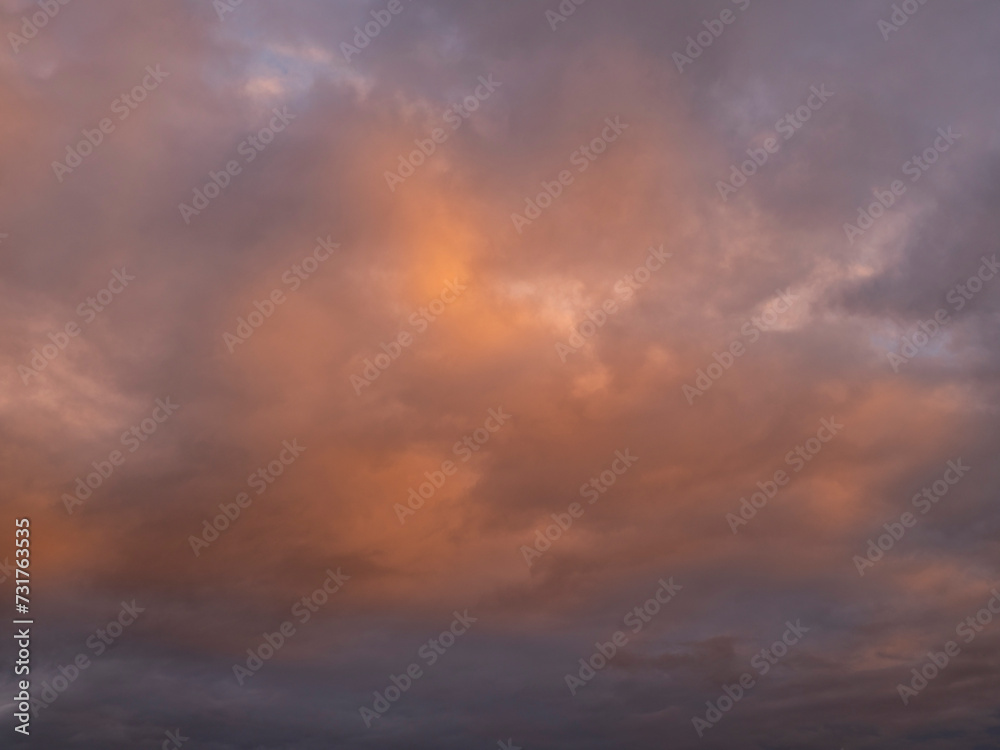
(458, 374)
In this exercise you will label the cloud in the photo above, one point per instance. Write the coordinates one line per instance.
(494, 346)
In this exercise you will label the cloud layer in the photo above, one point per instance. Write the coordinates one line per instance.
(377, 251)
